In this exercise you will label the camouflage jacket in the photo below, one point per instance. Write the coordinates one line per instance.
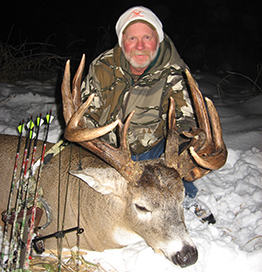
(118, 93)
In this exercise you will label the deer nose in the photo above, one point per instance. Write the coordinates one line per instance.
(187, 256)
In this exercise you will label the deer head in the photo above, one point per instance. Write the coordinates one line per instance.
(154, 189)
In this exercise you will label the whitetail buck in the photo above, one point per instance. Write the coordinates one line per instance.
(123, 201)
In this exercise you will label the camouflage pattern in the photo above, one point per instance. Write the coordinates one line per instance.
(118, 93)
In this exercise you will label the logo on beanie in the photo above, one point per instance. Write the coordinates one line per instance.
(136, 13)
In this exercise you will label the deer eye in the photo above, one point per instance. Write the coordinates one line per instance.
(141, 208)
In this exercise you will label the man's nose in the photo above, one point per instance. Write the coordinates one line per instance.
(140, 45)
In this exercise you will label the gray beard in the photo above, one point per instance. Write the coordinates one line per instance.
(145, 63)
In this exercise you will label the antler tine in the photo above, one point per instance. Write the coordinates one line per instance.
(74, 133)
(67, 99)
(123, 139)
(171, 151)
(76, 94)
(199, 107)
(216, 126)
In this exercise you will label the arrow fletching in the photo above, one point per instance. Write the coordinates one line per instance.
(20, 128)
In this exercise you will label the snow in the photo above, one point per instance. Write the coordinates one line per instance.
(233, 193)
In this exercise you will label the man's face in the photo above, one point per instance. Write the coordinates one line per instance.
(140, 45)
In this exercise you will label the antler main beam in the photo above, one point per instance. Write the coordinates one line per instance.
(213, 154)
(206, 150)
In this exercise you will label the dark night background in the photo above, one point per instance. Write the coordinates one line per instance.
(210, 35)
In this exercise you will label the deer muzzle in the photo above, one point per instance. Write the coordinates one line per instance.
(186, 257)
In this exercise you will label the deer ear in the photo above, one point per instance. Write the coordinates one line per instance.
(103, 180)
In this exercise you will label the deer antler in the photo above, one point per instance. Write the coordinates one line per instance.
(207, 148)
(119, 158)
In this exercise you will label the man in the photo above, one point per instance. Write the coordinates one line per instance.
(140, 73)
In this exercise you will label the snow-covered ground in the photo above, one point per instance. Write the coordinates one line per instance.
(233, 193)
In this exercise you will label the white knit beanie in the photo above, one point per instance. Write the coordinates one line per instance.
(138, 13)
